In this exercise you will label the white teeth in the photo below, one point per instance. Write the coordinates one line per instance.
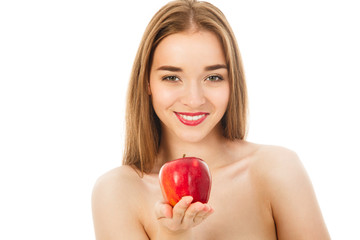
(191, 118)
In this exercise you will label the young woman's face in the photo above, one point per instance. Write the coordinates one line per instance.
(189, 85)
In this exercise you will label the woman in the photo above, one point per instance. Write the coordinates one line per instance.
(187, 95)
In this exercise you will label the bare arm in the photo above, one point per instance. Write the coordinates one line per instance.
(117, 209)
(115, 213)
(295, 208)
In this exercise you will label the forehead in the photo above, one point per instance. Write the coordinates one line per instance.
(190, 48)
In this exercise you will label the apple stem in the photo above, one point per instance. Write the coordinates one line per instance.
(184, 155)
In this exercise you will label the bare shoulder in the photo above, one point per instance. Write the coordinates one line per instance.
(266, 158)
(275, 159)
(276, 166)
(290, 193)
(115, 205)
(116, 184)
(117, 179)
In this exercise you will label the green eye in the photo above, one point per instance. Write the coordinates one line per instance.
(171, 78)
(214, 78)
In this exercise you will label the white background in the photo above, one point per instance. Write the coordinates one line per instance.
(64, 69)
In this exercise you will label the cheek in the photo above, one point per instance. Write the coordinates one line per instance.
(220, 98)
(162, 98)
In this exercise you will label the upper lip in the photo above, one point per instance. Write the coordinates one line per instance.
(192, 114)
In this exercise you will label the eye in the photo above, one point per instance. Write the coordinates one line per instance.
(215, 78)
(171, 78)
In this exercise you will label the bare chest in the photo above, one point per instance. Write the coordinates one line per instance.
(241, 211)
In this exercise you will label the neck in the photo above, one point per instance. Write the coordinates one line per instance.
(210, 149)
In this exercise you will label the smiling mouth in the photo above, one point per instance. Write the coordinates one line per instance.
(191, 119)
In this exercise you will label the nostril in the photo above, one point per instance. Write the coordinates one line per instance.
(193, 97)
(194, 101)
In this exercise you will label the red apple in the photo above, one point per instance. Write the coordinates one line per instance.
(187, 176)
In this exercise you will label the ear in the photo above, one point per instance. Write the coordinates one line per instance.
(148, 89)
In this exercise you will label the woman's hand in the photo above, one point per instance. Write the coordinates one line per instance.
(182, 217)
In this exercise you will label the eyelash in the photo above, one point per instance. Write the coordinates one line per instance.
(219, 78)
(173, 78)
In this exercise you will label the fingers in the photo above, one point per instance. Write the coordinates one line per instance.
(196, 213)
(201, 216)
(184, 215)
(180, 209)
(193, 211)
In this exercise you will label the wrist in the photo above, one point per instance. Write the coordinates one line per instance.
(167, 234)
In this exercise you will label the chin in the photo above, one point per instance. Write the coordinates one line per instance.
(195, 137)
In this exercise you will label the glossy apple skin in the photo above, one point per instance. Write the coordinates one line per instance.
(188, 176)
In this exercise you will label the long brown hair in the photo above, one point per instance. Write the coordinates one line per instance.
(143, 129)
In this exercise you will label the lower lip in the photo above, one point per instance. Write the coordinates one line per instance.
(189, 122)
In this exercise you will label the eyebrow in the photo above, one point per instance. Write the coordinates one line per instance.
(177, 69)
(215, 67)
(170, 68)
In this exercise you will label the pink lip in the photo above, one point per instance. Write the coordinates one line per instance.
(191, 122)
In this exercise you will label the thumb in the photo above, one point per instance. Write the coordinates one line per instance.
(163, 210)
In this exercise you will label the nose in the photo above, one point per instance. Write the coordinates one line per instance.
(193, 95)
